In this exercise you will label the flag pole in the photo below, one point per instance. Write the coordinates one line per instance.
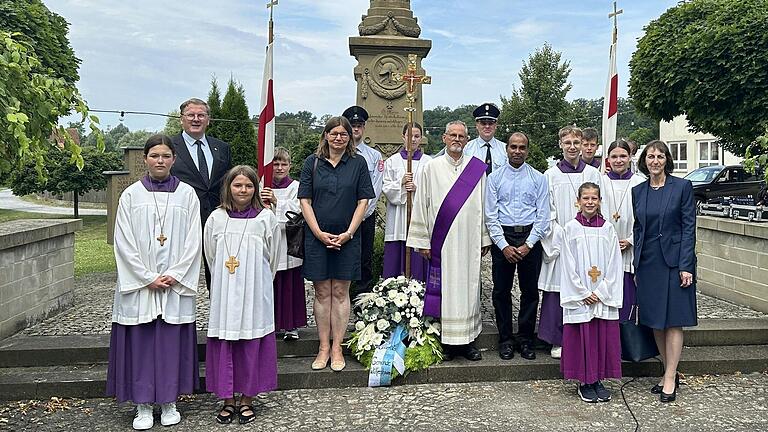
(610, 101)
(265, 150)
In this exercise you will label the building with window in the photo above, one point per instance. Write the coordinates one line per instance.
(692, 150)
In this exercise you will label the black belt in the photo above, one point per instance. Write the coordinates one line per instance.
(517, 228)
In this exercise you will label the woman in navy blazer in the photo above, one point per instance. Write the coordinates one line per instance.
(665, 258)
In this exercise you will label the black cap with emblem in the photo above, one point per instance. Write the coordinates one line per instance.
(486, 111)
(356, 114)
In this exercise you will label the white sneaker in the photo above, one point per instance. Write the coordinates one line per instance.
(556, 351)
(143, 419)
(291, 335)
(170, 416)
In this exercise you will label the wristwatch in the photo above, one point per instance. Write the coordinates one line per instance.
(350, 235)
(530, 246)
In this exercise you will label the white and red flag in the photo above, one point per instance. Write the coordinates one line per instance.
(266, 149)
(611, 102)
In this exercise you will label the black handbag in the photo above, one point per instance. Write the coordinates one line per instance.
(294, 233)
(637, 342)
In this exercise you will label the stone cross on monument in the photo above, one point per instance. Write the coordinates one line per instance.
(387, 35)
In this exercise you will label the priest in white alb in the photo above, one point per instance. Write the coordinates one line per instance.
(448, 228)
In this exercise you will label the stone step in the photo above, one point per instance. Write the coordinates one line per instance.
(34, 351)
(87, 381)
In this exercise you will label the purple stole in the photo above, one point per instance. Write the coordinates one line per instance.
(449, 209)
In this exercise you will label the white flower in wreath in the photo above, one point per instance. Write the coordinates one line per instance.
(382, 324)
(377, 339)
(397, 317)
(392, 294)
(401, 279)
(414, 322)
(365, 298)
(401, 299)
(381, 302)
(433, 328)
(414, 301)
(359, 325)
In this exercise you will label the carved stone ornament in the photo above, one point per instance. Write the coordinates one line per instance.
(381, 79)
(399, 27)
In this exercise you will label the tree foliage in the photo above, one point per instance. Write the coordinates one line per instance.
(61, 176)
(46, 33)
(239, 132)
(173, 124)
(436, 119)
(299, 133)
(540, 99)
(706, 59)
(214, 109)
(30, 106)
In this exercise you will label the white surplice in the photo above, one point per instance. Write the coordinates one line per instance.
(617, 198)
(287, 200)
(563, 193)
(461, 253)
(394, 191)
(141, 259)
(583, 248)
(242, 304)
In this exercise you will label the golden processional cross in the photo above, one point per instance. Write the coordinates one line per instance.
(412, 79)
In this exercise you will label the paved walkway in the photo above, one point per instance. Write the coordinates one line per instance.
(9, 201)
(705, 403)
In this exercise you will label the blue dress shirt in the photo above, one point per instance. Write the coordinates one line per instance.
(190, 142)
(514, 197)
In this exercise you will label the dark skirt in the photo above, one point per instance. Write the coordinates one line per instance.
(662, 302)
(591, 351)
(551, 320)
(290, 300)
(321, 263)
(394, 262)
(248, 367)
(629, 296)
(153, 362)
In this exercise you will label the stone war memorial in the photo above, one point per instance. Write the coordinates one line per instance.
(55, 325)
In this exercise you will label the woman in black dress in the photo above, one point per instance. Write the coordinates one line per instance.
(334, 191)
(665, 258)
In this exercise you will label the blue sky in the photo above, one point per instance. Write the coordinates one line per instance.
(149, 55)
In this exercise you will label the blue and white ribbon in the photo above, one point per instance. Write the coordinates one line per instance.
(390, 354)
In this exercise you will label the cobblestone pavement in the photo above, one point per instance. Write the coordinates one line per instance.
(705, 403)
(92, 310)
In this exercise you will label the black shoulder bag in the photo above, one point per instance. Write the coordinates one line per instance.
(294, 227)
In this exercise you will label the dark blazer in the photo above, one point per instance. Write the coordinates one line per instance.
(186, 170)
(678, 224)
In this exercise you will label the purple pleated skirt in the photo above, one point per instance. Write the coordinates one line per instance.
(290, 300)
(551, 319)
(394, 262)
(153, 362)
(248, 367)
(591, 351)
(629, 296)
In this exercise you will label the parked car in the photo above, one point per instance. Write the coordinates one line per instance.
(716, 182)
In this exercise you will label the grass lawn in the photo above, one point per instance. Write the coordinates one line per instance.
(92, 253)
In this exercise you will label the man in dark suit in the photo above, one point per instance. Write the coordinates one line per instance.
(201, 161)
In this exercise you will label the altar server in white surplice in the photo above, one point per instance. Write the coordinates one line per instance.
(153, 343)
(397, 184)
(564, 180)
(448, 227)
(241, 243)
(616, 189)
(591, 295)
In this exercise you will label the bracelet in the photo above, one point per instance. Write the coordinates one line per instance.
(349, 233)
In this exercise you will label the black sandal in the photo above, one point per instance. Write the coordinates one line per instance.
(226, 419)
(244, 419)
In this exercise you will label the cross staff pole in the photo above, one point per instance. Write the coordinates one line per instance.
(615, 15)
(271, 6)
(411, 79)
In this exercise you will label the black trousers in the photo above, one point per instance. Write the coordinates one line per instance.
(367, 234)
(503, 273)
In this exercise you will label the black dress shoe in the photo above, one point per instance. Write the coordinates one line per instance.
(471, 352)
(658, 387)
(447, 353)
(506, 352)
(526, 352)
(666, 398)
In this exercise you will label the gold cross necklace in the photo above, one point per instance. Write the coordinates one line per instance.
(616, 215)
(161, 238)
(232, 263)
(594, 271)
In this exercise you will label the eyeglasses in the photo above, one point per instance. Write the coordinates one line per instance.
(195, 116)
(573, 143)
(458, 137)
(334, 135)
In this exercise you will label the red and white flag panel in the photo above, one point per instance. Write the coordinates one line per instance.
(610, 103)
(266, 149)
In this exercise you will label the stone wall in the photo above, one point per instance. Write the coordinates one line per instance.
(733, 260)
(37, 258)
